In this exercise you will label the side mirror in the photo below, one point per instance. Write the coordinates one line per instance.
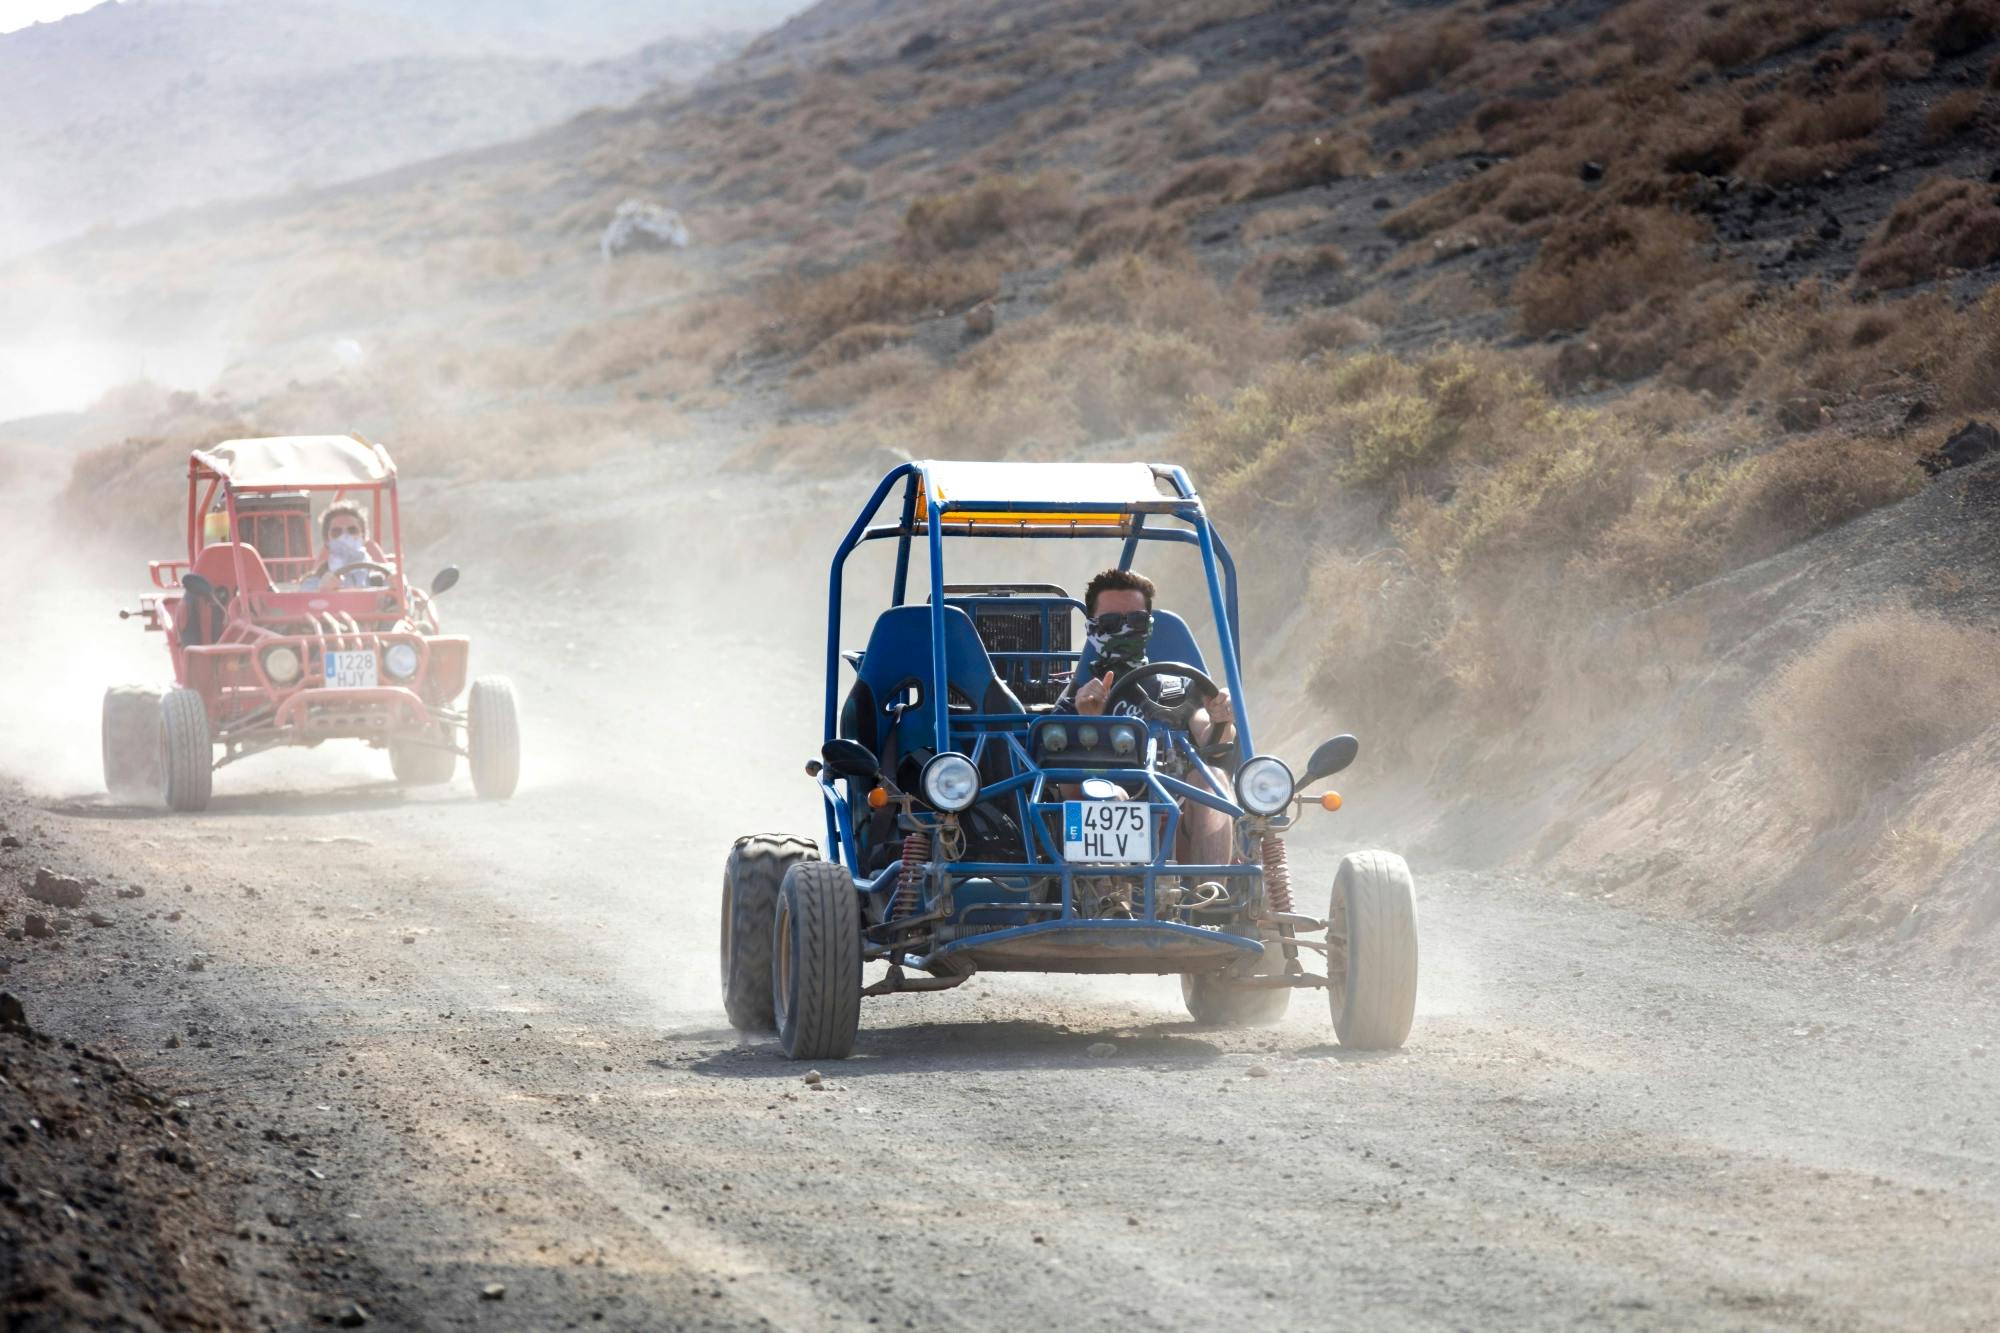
(446, 580)
(199, 587)
(1329, 759)
(849, 759)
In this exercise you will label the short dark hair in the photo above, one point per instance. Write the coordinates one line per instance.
(351, 508)
(1116, 580)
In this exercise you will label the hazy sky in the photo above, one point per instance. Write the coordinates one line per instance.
(20, 13)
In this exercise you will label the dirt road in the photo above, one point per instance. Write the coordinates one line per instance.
(495, 1031)
(469, 1044)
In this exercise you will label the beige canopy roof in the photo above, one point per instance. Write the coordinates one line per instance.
(298, 462)
(1132, 485)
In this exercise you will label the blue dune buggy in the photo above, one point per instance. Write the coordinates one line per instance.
(971, 827)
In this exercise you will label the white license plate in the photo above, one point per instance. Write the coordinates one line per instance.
(351, 670)
(1108, 832)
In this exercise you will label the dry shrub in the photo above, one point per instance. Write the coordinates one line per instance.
(1729, 513)
(1326, 331)
(1300, 435)
(1208, 177)
(1875, 699)
(851, 344)
(1695, 336)
(848, 383)
(1136, 291)
(1807, 137)
(1815, 342)
(1949, 28)
(1136, 231)
(1946, 224)
(1172, 69)
(1953, 114)
(1012, 207)
(1606, 261)
(1314, 159)
(1274, 222)
(1415, 58)
(1538, 194)
(813, 310)
(1971, 377)
(1288, 266)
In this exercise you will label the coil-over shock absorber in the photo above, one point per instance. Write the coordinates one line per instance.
(910, 880)
(1277, 874)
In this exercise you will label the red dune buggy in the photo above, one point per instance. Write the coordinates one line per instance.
(272, 647)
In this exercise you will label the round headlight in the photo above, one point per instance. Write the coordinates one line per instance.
(1055, 739)
(1263, 785)
(281, 664)
(949, 781)
(1124, 740)
(1087, 737)
(400, 659)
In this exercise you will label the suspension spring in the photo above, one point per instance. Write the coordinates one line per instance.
(1277, 874)
(910, 880)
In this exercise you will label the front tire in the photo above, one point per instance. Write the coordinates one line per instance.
(131, 741)
(1212, 1002)
(1372, 986)
(750, 884)
(493, 738)
(816, 964)
(187, 752)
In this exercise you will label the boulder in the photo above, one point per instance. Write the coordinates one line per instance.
(638, 225)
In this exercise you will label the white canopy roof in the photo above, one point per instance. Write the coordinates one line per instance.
(299, 461)
(1083, 484)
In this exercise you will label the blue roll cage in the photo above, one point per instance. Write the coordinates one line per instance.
(971, 734)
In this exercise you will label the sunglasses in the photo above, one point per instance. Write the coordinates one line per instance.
(1123, 622)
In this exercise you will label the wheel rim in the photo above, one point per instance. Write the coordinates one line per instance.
(781, 965)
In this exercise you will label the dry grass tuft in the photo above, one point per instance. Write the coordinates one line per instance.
(1416, 57)
(1875, 699)
(1011, 207)
(1949, 28)
(1212, 176)
(1314, 159)
(812, 310)
(1952, 115)
(1606, 261)
(1946, 224)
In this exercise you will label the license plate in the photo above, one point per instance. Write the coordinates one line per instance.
(1108, 832)
(351, 670)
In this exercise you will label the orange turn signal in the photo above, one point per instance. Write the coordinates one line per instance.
(878, 797)
(1330, 801)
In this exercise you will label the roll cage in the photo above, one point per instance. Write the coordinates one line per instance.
(1129, 503)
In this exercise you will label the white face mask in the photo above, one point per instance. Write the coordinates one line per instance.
(344, 550)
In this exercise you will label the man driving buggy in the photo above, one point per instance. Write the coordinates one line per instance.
(1118, 603)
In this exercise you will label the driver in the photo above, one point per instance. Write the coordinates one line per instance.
(1119, 606)
(344, 530)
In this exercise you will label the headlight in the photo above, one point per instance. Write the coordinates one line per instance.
(400, 659)
(1087, 737)
(281, 664)
(1263, 785)
(949, 781)
(1055, 739)
(1124, 740)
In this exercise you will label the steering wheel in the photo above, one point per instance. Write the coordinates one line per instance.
(386, 571)
(1128, 685)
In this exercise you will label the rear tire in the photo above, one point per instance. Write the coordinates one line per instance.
(187, 753)
(493, 738)
(1212, 1001)
(1373, 990)
(750, 884)
(419, 765)
(816, 968)
(131, 741)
